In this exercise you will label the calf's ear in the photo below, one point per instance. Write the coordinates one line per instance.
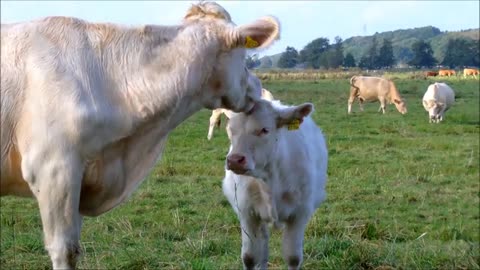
(259, 34)
(292, 117)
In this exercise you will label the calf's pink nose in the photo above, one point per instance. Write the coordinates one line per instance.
(236, 159)
(236, 162)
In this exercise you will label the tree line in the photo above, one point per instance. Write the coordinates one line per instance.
(321, 54)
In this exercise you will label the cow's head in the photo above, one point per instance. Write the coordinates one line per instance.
(229, 84)
(400, 105)
(434, 108)
(254, 135)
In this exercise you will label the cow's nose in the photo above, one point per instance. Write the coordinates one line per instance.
(236, 163)
(236, 159)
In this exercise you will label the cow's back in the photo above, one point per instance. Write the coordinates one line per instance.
(440, 92)
(370, 88)
(445, 93)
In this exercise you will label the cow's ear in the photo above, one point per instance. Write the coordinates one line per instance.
(259, 34)
(292, 117)
(397, 101)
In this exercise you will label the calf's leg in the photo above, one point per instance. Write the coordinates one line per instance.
(251, 202)
(255, 238)
(292, 244)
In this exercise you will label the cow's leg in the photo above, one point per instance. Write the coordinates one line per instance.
(246, 202)
(351, 98)
(292, 244)
(255, 237)
(55, 179)
(256, 213)
(440, 115)
(383, 104)
(360, 104)
(350, 101)
(214, 120)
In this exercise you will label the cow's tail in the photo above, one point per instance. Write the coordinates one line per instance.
(354, 90)
(352, 81)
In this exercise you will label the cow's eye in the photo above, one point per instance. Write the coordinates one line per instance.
(262, 131)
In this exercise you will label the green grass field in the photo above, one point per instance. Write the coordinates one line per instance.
(402, 193)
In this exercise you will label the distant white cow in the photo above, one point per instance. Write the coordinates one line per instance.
(283, 146)
(438, 99)
(216, 117)
(86, 107)
(370, 89)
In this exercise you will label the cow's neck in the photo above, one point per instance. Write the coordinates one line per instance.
(159, 92)
(160, 75)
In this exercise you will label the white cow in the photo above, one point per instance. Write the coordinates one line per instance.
(438, 99)
(86, 107)
(268, 144)
(216, 117)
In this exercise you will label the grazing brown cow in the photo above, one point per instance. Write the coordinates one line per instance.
(470, 72)
(430, 73)
(446, 72)
(370, 89)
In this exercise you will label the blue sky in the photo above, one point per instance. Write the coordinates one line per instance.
(302, 21)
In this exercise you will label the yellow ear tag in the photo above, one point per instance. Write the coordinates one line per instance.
(250, 42)
(295, 124)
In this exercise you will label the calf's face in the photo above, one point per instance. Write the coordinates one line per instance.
(254, 135)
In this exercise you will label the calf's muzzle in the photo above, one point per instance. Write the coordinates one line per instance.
(236, 163)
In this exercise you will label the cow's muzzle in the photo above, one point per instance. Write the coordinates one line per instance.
(237, 163)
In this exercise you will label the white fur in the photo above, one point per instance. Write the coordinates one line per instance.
(293, 166)
(86, 108)
(215, 118)
(438, 99)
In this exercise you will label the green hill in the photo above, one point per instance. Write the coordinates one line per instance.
(402, 41)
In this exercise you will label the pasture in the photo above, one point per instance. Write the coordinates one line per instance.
(402, 193)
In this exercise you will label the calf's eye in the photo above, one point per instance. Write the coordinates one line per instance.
(261, 132)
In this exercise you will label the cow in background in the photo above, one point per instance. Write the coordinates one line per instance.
(470, 72)
(371, 89)
(438, 99)
(430, 74)
(446, 72)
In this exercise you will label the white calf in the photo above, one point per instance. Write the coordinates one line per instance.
(284, 147)
(438, 98)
